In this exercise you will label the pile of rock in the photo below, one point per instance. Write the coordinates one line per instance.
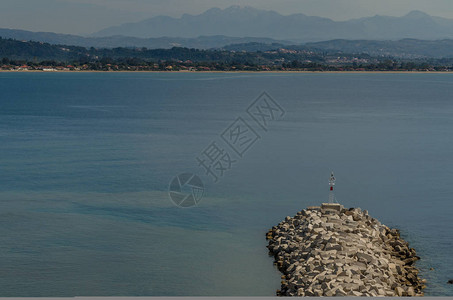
(331, 251)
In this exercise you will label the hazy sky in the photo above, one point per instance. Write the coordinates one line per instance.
(87, 16)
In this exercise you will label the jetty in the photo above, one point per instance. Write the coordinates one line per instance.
(328, 250)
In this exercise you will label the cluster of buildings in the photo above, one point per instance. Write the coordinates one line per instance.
(40, 68)
(290, 51)
(349, 60)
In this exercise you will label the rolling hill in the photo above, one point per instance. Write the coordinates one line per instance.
(199, 42)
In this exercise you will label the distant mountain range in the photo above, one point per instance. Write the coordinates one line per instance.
(250, 22)
(405, 48)
(201, 42)
(217, 28)
(415, 35)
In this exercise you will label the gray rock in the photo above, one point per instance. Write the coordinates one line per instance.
(410, 292)
(399, 291)
(329, 252)
(366, 257)
(340, 292)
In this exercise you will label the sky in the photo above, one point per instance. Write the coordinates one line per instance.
(87, 16)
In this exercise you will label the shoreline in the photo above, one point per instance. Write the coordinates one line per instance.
(232, 72)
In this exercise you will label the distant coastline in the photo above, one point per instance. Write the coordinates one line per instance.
(34, 56)
(238, 71)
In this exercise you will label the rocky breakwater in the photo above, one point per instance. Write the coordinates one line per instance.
(332, 251)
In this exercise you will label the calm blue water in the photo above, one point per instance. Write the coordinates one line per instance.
(86, 159)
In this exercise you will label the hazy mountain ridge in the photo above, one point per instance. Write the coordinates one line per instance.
(248, 21)
(405, 48)
(200, 42)
(402, 49)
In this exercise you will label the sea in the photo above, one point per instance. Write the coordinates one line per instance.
(88, 163)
